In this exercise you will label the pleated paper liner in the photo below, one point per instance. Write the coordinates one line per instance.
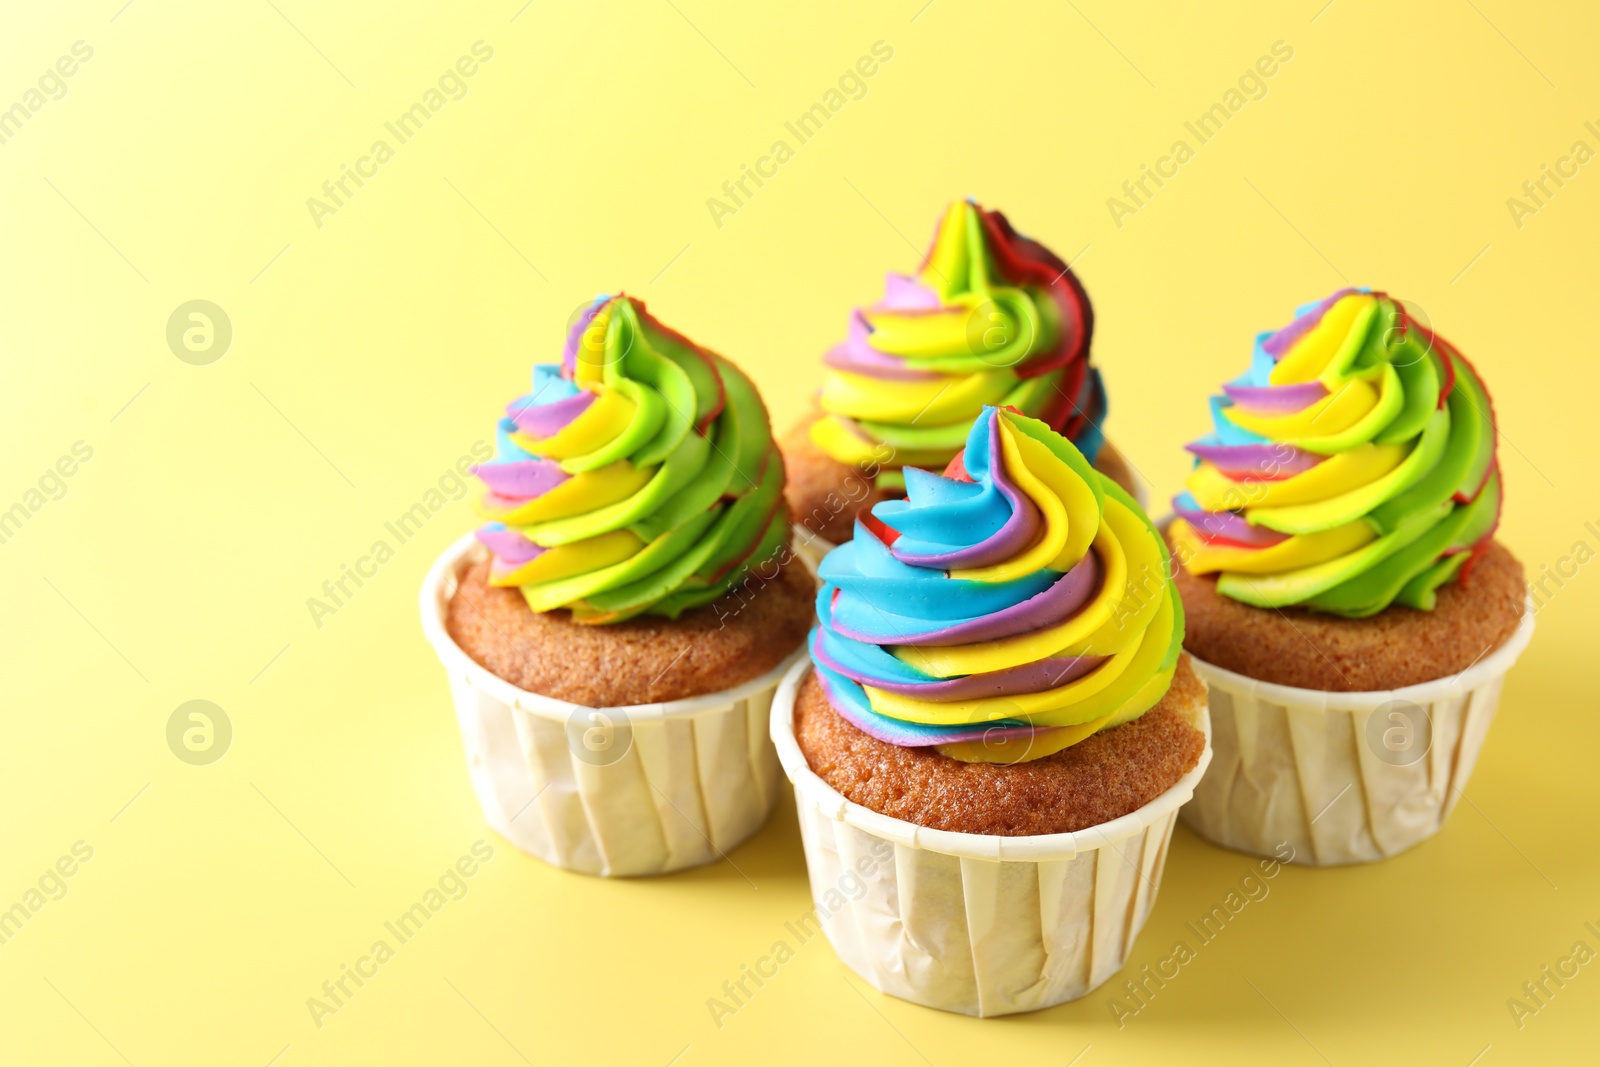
(1343, 777)
(976, 923)
(638, 790)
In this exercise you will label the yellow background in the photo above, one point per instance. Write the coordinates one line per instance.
(368, 354)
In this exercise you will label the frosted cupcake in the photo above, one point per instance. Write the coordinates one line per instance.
(996, 728)
(990, 318)
(1352, 610)
(615, 633)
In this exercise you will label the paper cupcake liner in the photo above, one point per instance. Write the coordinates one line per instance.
(1343, 777)
(975, 923)
(636, 790)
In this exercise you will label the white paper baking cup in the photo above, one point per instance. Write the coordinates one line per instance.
(1343, 777)
(643, 789)
(976, 923)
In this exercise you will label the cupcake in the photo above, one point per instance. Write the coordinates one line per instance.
(616, 630)
(996, 727)
(991, 318)
(1347, 601)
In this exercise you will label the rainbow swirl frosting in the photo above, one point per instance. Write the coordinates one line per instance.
(1351, 468)
(1005, 610)
(990, 318)
(639, 475)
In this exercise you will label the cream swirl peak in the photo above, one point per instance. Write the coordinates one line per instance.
(991, 317)
(1005, 610)
(1351, 467)
(639, 475)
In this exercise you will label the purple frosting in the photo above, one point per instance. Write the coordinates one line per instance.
(508, 546)
(1276, 345)
(521, 479)
(888, 730)
(1277, 399)
(1034, 677)
(903, 293)
(1014, 535)
(1263, 462)
(1065, 597)
(856, 355)
(569, 352)
(1230, 527)
(546, 420)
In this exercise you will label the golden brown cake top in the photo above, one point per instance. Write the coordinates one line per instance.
(1397, 647)
(643, 660)
(1102, 778)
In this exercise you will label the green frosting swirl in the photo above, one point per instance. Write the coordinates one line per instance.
(638, 476)
(1351, 468)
